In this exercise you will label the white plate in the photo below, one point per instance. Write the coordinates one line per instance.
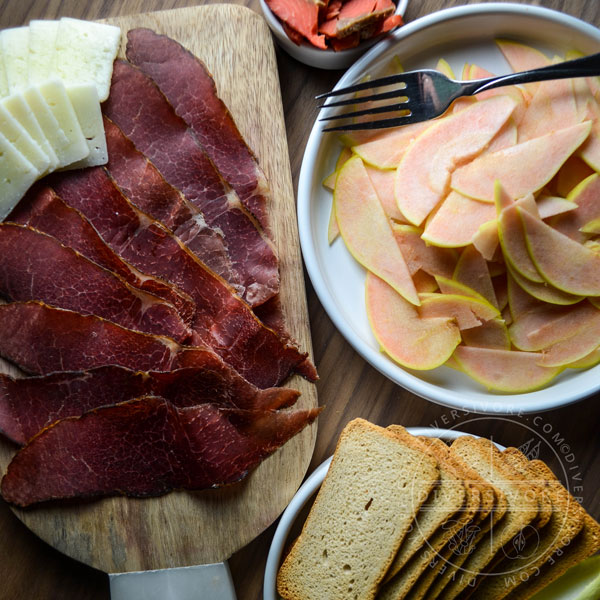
(305, 493)
(460, 34)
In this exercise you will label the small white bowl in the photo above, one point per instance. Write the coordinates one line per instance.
(314, 57)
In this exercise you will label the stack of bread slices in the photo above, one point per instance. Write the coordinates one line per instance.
(400, 516)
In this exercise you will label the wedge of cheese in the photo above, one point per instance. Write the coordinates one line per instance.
(17, 135)
(15, 52)
(17, 174)
(3, 81)
(18, 107)
(85, 52)
(42, 50)
(84, 99)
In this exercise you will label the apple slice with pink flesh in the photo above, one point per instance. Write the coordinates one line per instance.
(472, 271)
(491, 334)
(329, 181)
(589, 360)
(418, 255)
(366, 230)
(457, 220)
(507, 371)
(486, 239)
(521, 57)
(519, 301)
(451, 286)
(522, 169)
(423, 174)
(572, 173)
(550, 206)
(467, 311)
(592, 227)
(383, 182)
(424, 282)
(562, 262)
(408, 339)
(590, 150)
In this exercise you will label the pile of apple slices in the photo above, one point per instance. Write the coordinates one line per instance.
(480, 231)
(53, 76)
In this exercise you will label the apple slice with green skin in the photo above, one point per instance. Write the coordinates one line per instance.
(509, 371)
(551, 206)
(562, 262)
(519, 301)
(523, 58)
(522, 169)
(329, 181)
(424, 282)
(383, 182)
(492, 334)
(456, 221)
(472, 270)
(592, 227)
(486, 239)
(590, 150)
(590, 360)
(418, 255)
(586, 197)
(366, 230)
(468, 312)
(423, 174)
(571, 174)
(408, 339)
(451, 286)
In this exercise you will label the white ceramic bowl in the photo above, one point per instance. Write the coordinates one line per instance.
(314, 57)
(305, 493)
(459, 35)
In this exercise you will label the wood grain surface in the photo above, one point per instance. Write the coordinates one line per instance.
(348, 387)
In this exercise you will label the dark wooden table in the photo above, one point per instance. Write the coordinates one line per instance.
(348, 387)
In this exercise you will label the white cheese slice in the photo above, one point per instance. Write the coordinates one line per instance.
(42, 50)
(17, 135)
(17, 175)
(87, 108)
(85, 52)
(15, 54)
(3, 81)
(18, 107)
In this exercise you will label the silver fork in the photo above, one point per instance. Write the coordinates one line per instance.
(426, 94)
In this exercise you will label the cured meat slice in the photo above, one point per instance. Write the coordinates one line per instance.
(145, 187)
(29, 404)
(145, 447)
(301, 15)
(143, 114)
(36, 266)
(44, 210)
(223, 321)
(191, 90)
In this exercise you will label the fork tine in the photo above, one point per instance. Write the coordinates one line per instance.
(400, 93)
(368, 111)
(381, 124)
(365, 85)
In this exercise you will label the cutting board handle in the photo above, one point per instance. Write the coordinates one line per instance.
(210, 582)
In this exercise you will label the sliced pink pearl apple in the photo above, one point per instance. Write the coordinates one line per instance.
(383, 182)
(408, 339)
(472, 270)
(423, 174)
(468, 312)
(508, 371)
(491, 334)
(544, 291)
(522, 169)
(366, 230)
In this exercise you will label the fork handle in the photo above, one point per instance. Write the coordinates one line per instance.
(579, 67)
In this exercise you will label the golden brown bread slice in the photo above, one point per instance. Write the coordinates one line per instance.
(523, 507)
(586, 543)
(565, 523)
(370, 496)
(446, 499)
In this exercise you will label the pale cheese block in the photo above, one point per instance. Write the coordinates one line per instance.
(86, 104)
(15, 52)
(42, 50)
(17, 175)
(18, 107)
(85, 52)
(17, 135)
(3, 81)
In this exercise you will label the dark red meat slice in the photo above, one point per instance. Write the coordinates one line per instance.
(191, 90)
(143, 114)
(301, 15)
(145, 187)
(44, 210)
(145, 447)
(223, 321)
(36, 266)
(29, 404)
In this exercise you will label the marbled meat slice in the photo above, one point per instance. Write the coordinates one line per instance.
(301, 15)
(42, 209)
(143, 114)
(29, 404)
(191, 90)
(78, 284)
(223, 321)
(146, 447)
(147, 189)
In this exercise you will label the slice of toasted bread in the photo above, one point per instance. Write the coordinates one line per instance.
(375, 486)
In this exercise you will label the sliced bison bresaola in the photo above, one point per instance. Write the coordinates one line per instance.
(145, 447)
(29, 404)
(191, 90)
(145, 187)
(36, 266)
(143, 114)
(42, 209)
(222, 321)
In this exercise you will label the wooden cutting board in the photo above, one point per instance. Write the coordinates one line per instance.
(191, 528)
